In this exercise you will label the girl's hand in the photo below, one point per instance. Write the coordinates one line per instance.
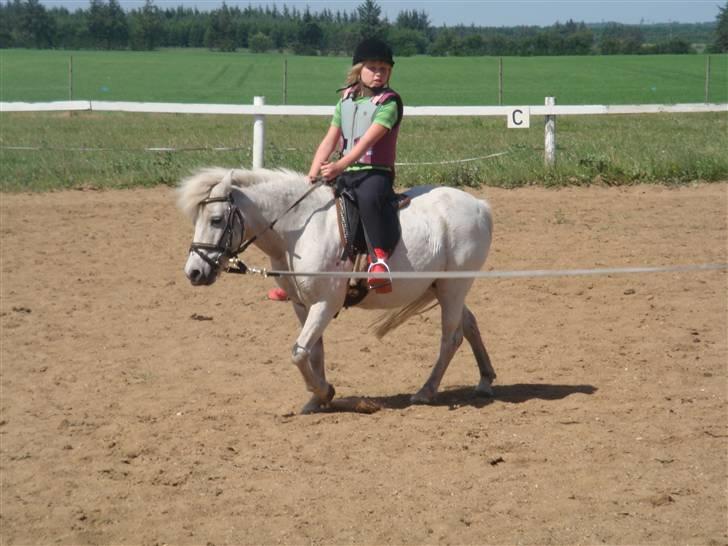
(314, 173)
(331, 170)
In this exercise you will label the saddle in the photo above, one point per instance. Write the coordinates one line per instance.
(354, 240)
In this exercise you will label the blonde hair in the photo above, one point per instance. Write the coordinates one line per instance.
(353, 77)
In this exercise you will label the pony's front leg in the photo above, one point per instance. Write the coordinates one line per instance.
(308, 353)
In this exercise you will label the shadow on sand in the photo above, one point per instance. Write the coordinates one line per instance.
(464, 396)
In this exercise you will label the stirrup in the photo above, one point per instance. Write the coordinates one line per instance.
(380, 285)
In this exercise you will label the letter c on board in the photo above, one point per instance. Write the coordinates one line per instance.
(519, 118)
(517, 121)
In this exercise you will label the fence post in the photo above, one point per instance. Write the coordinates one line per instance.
(550, 135)
(70, 78)
(500, 81)
(285, 81)
(258, 134)
(707, 79)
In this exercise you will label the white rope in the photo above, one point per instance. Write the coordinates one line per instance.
(89, 149)
(490, 274)
(215, 149)
(449, 162)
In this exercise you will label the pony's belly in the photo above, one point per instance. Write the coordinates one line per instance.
(403, 292)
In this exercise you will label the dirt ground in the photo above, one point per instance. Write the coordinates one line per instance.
(136, 409)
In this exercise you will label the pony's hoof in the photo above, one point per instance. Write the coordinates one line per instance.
(423, 396)
(316, 404)
(312, 406)
(330, 394)
(484, 388)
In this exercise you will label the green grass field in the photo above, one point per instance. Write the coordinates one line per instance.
(194, 75)
(659, 148)
(611, 149)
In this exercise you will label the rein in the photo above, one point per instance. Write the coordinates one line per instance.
(245, 244)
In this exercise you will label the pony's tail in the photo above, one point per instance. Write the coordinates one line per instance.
(389, 321)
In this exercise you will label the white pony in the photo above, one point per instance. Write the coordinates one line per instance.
(443, 229)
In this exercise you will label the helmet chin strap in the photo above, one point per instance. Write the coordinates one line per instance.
(375, 90)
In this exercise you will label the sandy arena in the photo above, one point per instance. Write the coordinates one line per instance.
(137, 409)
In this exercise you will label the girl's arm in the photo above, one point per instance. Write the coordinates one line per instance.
(370, 138)
(324, 151)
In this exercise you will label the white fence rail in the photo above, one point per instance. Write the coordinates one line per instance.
(519, 114)
(291, 110)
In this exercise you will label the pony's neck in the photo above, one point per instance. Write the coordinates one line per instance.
(268, 202)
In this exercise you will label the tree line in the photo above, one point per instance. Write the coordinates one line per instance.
(105, 25)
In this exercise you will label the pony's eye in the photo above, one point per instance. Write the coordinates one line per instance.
(216, 220)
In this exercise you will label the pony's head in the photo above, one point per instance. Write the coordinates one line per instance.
(206, 198)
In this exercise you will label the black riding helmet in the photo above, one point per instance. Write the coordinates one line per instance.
(373, 49)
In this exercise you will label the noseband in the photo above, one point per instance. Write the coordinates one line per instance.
(224, 246)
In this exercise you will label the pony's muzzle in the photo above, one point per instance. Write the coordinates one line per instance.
(195, 276)
(198, 272)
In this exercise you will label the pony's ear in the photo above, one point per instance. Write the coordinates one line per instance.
(224, 187)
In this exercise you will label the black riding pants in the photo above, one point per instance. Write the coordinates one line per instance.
(374, 193)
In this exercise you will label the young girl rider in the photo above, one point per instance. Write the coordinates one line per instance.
(364, 130)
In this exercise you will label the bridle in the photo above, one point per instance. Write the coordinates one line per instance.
(224, 246)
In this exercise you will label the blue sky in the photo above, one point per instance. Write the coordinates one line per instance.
(486, 12)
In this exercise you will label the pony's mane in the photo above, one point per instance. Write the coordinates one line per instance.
(196, 187)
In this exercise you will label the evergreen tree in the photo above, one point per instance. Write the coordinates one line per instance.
(370, 24)
(721, 32)
(146, 32)
(107, 25)
(118, 25)
(220, 33)
(446, 43)
(8, 17)
(310, 36)
(71, 31)
(98, 24)
(622, 39)
(415, 20)
(580, 42)
(36, 27)
(103, 24)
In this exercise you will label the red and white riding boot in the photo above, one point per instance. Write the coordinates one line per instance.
(380, 285)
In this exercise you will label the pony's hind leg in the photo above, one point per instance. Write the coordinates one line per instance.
(451, 295)
(472, 334)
